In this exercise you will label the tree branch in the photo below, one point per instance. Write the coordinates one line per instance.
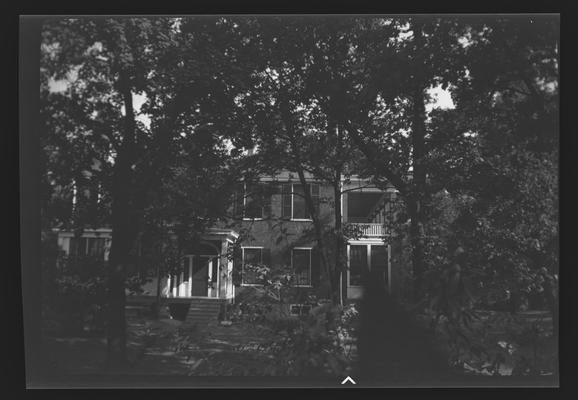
(372, 156)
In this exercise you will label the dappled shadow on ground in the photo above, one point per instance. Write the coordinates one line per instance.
(165, 348)
(157, 347)
(148, 349)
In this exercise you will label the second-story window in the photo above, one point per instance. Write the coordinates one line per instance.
(294, 203)
(252, 200)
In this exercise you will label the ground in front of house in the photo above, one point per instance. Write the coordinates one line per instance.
(163, 347)
(159, 347)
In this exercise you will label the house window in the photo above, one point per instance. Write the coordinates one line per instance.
(87, 246)
(254, 207)
(301, 262)
(251, 200)
(294, 205)
(252, 256)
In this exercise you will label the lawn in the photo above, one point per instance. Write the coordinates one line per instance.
(163, 347)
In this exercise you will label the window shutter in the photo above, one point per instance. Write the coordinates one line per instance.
(253, 203)
(266, 193)
(237, 266)
(315, 267)
(266, 256)
(238, 200)
(315, 196)
(286, 200)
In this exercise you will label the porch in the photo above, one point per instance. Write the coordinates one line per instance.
(370, 229)
(206, 271)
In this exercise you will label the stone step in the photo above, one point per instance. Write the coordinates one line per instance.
(204, 311)
(198, 307)
(206, 299)
(203, 314)
(202, 307)
(201, 311)
(202, 321)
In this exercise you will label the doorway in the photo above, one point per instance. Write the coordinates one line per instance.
(203, 275)
(363, 258)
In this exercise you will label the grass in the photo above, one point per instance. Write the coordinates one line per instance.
(162, 348)
(520, 343)
(157, 347)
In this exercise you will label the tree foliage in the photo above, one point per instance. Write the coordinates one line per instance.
(323, 96)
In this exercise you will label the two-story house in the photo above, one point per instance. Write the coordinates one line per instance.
(271, 226)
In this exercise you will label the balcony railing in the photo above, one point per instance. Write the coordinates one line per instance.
(371, 229)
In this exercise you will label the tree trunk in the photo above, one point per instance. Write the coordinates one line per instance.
(417, 253)
(320, 240)
(123, 233)
(339, 265)
(295, 149)
(157, 306)
(123, 237)
(116, 332)
(417, 192)
(339, 256)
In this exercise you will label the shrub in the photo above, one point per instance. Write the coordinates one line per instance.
(79, 300)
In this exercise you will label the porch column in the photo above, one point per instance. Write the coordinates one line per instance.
(223, 278)
(190, 267)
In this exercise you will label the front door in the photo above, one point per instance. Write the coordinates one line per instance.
(200, 276)
(379, 264)
(365, 258)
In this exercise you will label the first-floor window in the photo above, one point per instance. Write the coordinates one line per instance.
(87, 246)
(251, 256)
(301, 260)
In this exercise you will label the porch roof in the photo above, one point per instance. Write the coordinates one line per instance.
(218, 233)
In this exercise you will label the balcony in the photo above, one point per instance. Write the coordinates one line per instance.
(370, 230)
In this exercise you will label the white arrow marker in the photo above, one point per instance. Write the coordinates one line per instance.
(348, 379)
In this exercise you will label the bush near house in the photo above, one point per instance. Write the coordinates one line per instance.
(318, 343)
(75, 299)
